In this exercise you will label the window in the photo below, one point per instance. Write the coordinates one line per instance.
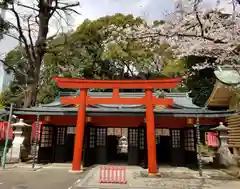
(61, 135)
(92, 135)
(189, 143)
(142, 139)
(133, 137)
(46, 137)
(101, 136)
(71, 130)
(176, 138)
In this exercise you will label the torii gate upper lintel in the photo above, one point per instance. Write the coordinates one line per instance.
(83, 99)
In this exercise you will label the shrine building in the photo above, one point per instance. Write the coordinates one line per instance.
(135, 128)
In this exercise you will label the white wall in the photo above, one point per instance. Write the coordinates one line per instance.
(5, 78)
(1, 77)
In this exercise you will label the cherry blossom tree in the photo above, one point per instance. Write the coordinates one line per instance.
(196, 32)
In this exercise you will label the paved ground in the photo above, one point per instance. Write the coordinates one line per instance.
(57, 176)
(45, 178)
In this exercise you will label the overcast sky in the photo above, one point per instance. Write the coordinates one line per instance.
(93, 9)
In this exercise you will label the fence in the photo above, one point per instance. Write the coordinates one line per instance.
(112, 175)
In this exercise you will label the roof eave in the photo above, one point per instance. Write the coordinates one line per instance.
(124, 112)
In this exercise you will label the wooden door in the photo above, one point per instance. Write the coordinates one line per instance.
(101, 145)
(143, 156)
(133, 146)
(60, 144)
(163, 145)
(45, 149)
(190, 146)
(177, 154)
(89, 151)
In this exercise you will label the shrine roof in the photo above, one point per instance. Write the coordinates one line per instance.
(3, 113)
(60, 111)
(181, 100)
(228, 76)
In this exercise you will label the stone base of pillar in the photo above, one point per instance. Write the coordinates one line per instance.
(77, 171)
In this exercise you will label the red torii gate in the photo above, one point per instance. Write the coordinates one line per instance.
(83, 99)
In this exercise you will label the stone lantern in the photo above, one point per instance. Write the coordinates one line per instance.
(18, 140)
(222, 131)
(223, 156)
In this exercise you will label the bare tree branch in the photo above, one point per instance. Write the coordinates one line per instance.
(12, 68)
(30, 36)
(156, 34)
(28, 7)
(20, 30)
(8, 66)
(195, 8)
(69, 6)
(42, 12)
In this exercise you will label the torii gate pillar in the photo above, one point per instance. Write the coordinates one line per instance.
(81, 120)
(151, 141)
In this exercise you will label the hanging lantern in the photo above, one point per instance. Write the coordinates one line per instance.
(190, 121)
(88, 119)
(47, 118)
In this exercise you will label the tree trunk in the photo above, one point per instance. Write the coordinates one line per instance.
(30, 96)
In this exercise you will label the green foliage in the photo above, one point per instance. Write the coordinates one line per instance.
(81, 54)
(200, 82)
(206, 150)
(85, 53)
(158, 22)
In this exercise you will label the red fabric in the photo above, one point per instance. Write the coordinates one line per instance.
(212, 139)
(3, 131)
(34, 130)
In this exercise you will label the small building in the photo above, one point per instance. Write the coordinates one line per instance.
(224, 97)
(159, 129)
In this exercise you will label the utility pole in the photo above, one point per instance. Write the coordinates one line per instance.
(199, 155)
(35, 143)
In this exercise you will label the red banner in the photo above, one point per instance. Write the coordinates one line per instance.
(212, 139)
(3, 131)
(34, 130)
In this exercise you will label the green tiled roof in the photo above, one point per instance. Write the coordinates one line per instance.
(181, 100)
(228, 76)
(3, 113)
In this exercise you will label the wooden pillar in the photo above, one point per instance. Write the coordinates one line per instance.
(81, 120)
(151, 141)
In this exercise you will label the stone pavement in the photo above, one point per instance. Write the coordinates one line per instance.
(177, 178)
(52, 176)
(48, 177)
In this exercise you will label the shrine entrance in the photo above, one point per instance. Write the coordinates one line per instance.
(163, 145)
(117, 140)
(133, 143)
(103, 145)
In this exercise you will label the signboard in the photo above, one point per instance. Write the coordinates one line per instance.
(162, 132)
(211, 139)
